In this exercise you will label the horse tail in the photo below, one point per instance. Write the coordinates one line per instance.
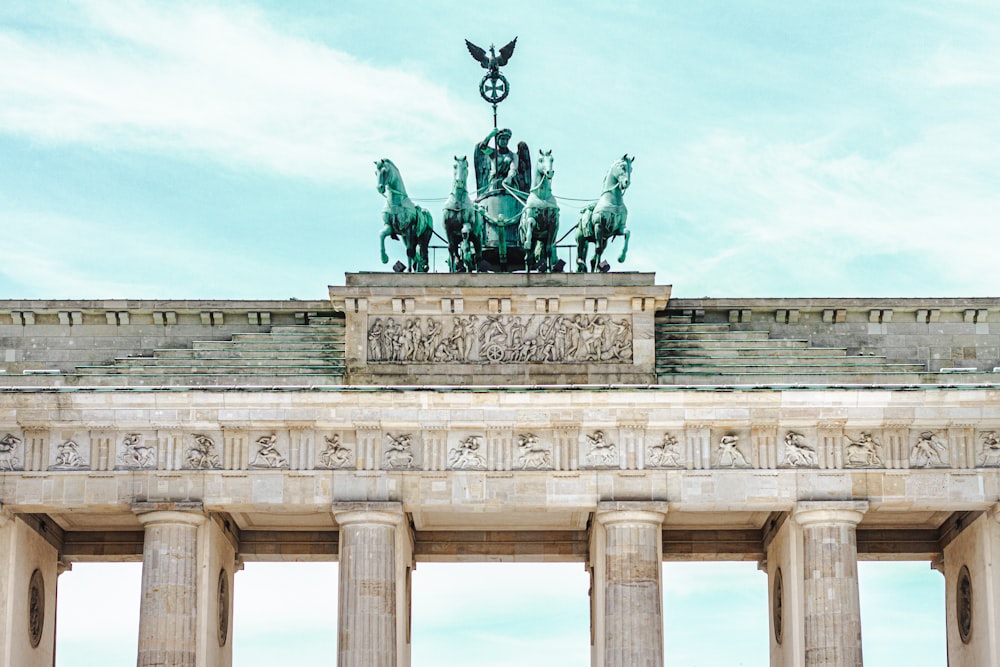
(425, 223)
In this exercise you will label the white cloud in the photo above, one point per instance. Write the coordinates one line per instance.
(219, 82)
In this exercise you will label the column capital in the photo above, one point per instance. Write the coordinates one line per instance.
(819, 512)
(627, 511)
(385, 513)
(157, 517)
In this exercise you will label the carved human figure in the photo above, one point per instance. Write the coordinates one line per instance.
(68, 455)
(601, 452)
(8, 446)
(335, 454)
(268, 455)
(137, 454)
(498, 168)
(466, 456)
(399, 451)
(927, 451)
(533, 453)
(390, 340)
(203, 455)
(797, 452)
(865, 451)
(375, 340)
(730, 454)
(621, 339)
(990, 455)
(593, 338)
(431, 340)
(664, 454)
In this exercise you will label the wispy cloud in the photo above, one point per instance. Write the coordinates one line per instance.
(218, 82)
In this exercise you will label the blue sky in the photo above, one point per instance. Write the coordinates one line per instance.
(225, 149)
(186, 150)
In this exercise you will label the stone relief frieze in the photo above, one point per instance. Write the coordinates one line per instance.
(798, 454)
(730, 455)
(267, 455)
(335, 454)
(398, 452)
(203, 454)
(865, 452)
(8, 452)
(926, 452)
(989, 455)
(533, 454)
(136, 453)
(603, 453)
(500, 339)
(68, 456)
(665, 453)
(466, 455)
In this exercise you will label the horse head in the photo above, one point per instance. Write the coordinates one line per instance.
(543, 167)
(620, 175)
(461, 173)
(388, 177)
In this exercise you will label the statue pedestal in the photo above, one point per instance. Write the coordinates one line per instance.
(500, 328)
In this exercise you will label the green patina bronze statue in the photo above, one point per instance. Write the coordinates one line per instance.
(403, 219)
(601, 222)
(463, 222)
(540, 218)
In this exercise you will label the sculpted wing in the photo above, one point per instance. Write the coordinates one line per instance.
(479, 53)
(506, 52)
(522, 179)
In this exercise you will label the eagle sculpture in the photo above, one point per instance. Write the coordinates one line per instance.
(491, 61)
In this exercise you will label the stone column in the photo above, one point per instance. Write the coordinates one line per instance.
(626, 560)
(830, 587)
(783, 564)
(28, 573)
(972, 593)
(373, 610)
(168, 618)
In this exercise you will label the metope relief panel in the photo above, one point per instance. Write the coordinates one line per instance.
(798, 450)
(929, 449)
(989, 450)
(863, 450)
(69, 450)
(269, 450)
(498, 339)
(599, 448)
(203, 451)
(665, 451)
(533, 451)
(730, 450)
(400, 450)
(137, 451)
(336, 451)
(11, 452)
(467, 451)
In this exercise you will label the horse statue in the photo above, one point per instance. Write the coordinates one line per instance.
(540, 218)
(601, 222)
(402, 218)
(463, 223)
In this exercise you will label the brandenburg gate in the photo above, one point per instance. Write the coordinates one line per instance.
(585, 417)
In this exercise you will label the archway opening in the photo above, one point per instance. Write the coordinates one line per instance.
(97, 618)
(500, 614)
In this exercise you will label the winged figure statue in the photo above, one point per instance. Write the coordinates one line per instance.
(491, 61)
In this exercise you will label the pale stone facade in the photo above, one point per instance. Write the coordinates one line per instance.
(530, 418)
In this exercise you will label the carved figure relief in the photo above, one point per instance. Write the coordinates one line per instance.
(203, 455)
(8, 447)
(466, 456)
(68, 456)
(797, 452)
(664, 454)
(926, 452)
(865, 452)
(137, 454)
(534, 455)
(36, 608)
(602, 452)
(500, 339)
(730, 455)
(989, 456)
(399, 451)
(963, 604)
(335, 454)
(223, 607)
(268, 455)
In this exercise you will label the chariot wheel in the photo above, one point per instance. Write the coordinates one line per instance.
(493, 352)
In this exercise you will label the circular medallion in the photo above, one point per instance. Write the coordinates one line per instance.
(36, 608)
(223, 608)
(777, 603)
(963, 604)
(494, 89)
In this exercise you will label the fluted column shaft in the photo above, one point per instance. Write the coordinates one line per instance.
(831, 605)
(632, 599)
(367, 597)
(168, 612)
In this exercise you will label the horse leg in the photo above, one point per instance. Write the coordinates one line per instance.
(385, 232)
(581, 252)
(621, 258)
